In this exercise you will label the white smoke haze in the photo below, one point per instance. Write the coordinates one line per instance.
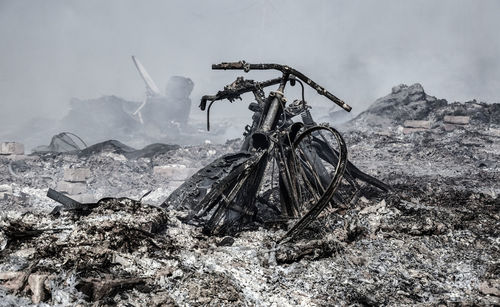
(51, 51)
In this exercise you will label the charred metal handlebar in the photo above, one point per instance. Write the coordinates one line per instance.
(234, 90)
(286, 70)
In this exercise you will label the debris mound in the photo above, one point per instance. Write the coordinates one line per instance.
(412, 103)
(109, 248)
(432, 239)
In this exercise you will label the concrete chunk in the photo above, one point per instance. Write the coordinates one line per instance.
(174, 172)
(37, 286)
(458, 120)
(424, 124)
(5, 190)
(413, 130)
(71, 188)
(76, 174)
(12, 281)
(11, 148)
(491, 287)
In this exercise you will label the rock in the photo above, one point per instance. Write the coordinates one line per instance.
(175, 172)
(374, 208)
(36, 282)
(425, 124)
(177, 273)
(458, 120)
(384, 133)
(449, 127)
(5, 190)
(97, 289)
(491, 287)
(76, 174)
(11, 148)
(25, 252)
(163, 299)
(12, 281)
(4, 240)
(71, 188)
(493, 132)
(357, 260)
(412, 130)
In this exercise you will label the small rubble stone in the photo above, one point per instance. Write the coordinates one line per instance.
(493, 131)
(76, 174)
(5, 190)
(424, 124)
(12, 281)
(25, 253)
(11, 148)
(449, 127)
(174, 172)
(98, 289)
(71, 188)
(4, 240)
(491, 287)
(458, 120)
(412, 130)
(37, 286)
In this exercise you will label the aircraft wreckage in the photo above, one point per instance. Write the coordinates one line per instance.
(289, 169)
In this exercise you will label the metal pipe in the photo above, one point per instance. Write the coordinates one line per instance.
(273, 111)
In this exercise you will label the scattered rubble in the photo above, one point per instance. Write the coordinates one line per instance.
(411, 107)
(76, 174)
(11, 148)
(424, 124)
(175, 172)
(458, 120)
(432, 240)
(74, 184)
(411, 126)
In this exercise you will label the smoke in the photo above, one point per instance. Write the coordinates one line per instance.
(51, 51)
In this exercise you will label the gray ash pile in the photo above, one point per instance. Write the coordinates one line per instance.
(432, 240)
(411, 103)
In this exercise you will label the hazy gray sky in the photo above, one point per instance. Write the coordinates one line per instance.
(51, 51)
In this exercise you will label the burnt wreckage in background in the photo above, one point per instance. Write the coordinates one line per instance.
(308, 161)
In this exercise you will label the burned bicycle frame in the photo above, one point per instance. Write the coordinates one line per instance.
(222, 196)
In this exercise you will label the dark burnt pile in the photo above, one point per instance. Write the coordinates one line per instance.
(47, 252)
(288, 170)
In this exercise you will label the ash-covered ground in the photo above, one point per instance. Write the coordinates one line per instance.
(433, 240)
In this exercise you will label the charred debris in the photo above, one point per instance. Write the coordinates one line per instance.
(275, 220)
(289, 168)
(287, 172)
